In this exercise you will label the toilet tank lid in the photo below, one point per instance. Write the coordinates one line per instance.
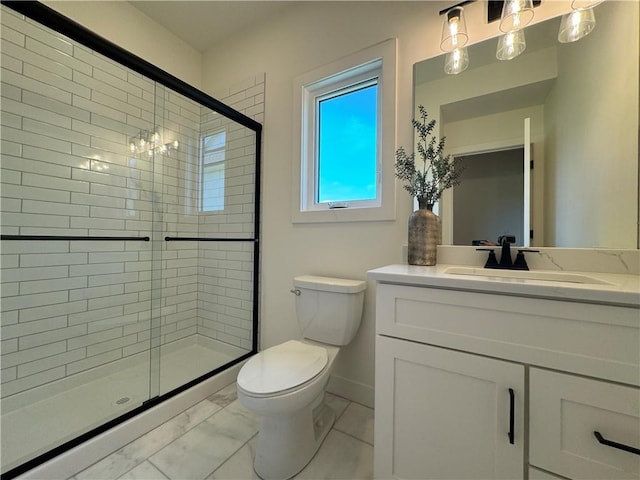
(329, 284)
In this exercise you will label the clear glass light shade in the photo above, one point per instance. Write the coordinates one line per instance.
(456, 61)
(516, 14)
(583, 4)
(510, 45)
(454, 30)
(576, 25)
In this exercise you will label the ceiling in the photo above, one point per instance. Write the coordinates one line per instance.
(201, 24)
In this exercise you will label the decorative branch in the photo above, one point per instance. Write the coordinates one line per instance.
(437, 172)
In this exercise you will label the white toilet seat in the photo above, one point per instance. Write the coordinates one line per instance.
(281, 368)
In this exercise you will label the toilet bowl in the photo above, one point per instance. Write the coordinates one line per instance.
(285, 384)
(290, 400)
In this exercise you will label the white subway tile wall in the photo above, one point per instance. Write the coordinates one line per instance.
(68, 117)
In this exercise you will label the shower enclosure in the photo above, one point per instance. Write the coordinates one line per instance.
(129, 216)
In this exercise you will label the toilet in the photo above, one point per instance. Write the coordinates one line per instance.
(285, 384)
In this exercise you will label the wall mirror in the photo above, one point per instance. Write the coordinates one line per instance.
(581, 102)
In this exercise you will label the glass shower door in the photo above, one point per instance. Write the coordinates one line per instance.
(208, 203)
(77, 210)
(129, 237)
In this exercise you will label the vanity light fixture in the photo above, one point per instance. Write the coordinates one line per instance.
(454, 30)
(577, 24)
(456, 61)
(453, 40)
(516, 14)
(510, 45)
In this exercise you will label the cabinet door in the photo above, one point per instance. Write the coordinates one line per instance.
(442, 414)
(566, 410)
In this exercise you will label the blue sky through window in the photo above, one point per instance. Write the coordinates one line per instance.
(347, 146)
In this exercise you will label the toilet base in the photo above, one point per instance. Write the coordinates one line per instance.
(287, 443)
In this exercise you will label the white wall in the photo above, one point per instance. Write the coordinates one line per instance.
(128, 27)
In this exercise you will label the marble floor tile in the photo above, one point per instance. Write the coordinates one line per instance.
(337, 404)
(357, 421)
(340, 457)
(144, 471)
(200, 451)
(240, 465)
(225, 396)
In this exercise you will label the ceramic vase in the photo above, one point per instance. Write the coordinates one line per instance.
(425, 234)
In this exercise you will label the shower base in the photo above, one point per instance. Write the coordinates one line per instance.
(36, 421)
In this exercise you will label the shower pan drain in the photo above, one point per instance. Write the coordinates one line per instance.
(122, 401)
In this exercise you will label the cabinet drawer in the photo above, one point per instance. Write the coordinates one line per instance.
(600, 341)
(565, 410)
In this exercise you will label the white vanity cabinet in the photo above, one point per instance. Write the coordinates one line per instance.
(479, 385)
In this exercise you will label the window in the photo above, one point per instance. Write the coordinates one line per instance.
(212, 176)
(347, 153)
(343, 139)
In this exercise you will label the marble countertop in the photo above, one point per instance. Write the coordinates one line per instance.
(615, 289)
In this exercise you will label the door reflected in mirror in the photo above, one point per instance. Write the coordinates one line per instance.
(582, 99)
(493, 183)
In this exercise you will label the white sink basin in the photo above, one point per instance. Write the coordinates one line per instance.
(527, 275)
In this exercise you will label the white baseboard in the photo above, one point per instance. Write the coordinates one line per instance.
(351, 390)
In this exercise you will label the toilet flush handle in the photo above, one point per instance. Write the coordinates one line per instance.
(296, 291)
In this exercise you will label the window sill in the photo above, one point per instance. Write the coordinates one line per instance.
(351, 214)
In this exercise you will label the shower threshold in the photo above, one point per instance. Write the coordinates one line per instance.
(36, 421)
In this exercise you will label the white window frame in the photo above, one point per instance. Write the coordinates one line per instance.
(376, 62)
(343, 83)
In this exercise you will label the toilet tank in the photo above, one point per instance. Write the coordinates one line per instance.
(329, 310)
